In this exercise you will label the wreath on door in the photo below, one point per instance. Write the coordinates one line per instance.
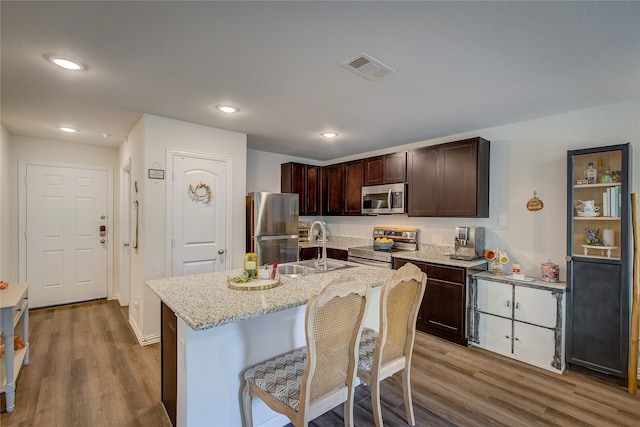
(200, 193)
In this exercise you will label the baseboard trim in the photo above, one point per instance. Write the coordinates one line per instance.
(143, 340)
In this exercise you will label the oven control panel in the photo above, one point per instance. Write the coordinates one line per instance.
(398, 234)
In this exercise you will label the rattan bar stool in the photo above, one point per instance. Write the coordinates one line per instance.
(307, 382)
(389, 350)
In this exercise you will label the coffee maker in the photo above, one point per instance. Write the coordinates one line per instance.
(469, 243)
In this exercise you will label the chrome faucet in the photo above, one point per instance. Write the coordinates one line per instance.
(322, 260)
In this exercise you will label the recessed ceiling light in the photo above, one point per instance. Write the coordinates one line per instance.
(66, 63)
(67, 129)
(227, 109)
(329, 134)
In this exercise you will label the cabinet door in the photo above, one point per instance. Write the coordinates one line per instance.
(169, 361)
(312, 191)
(395, 168)
(534, 344)
(423, 182)
(537, 306)
(339, 254)
(310, 252)
(374, 170)
(292, 180)
(494, 298)
(353, 178)
(443, 309)
(464, 191)
(494, 333)
(333, 189)
(597, 321)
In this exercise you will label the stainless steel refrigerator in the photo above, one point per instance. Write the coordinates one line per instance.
(272, 227)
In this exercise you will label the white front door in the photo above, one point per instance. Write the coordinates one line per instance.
(66, 257)
(199, 220)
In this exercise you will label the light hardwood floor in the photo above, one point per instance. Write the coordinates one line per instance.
(88, 370)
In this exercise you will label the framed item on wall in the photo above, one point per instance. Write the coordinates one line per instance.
(156, 174)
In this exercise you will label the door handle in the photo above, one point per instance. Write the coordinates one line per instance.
(125, 245)
(220, 251)
(102, 240)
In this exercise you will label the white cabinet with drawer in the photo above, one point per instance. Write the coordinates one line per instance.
(522, 320)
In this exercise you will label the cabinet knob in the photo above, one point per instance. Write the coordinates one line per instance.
(507, 337)
(517, 339)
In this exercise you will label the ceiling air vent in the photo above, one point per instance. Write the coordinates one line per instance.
(367, 67)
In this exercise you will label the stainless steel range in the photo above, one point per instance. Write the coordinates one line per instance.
(404, 239)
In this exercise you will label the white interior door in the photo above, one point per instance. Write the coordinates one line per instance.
(199, 220)
(66, 257)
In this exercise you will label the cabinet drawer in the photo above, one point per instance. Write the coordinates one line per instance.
(537, 306)
(494, 298)
(448, 274)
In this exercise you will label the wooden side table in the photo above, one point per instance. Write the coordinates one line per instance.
(14, 305)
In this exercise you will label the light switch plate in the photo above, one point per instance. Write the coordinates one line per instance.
(502, 219)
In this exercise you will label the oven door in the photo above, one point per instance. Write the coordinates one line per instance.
(368, 261)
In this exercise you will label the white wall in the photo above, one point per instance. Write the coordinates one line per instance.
(263, 169)
(5, 251)
(147, 145)
(524, 155)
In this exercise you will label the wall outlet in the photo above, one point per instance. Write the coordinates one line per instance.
(136, 304)
(502, 219)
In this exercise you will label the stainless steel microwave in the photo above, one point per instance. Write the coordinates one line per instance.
(384, 199)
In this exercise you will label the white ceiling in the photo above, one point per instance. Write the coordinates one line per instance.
(460, 66)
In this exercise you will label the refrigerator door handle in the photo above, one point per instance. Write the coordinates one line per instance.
(291, 236)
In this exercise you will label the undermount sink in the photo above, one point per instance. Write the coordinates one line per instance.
(303, 268)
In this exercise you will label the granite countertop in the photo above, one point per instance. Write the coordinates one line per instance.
(205, 301)
(431, 256)
(437, 254)
(529, 282)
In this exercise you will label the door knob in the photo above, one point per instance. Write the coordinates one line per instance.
(220, 251)
(102, 240)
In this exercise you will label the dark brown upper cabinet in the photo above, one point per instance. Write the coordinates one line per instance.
(386, 169)
(353, 179)
(333, 189)
(304, 180)
(449, 180)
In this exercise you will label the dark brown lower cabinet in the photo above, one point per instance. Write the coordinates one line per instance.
(340, 254)
(443, 310)
(308, 252)
(312, 252)
(169, 361)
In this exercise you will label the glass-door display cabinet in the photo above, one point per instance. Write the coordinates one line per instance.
(599, 260)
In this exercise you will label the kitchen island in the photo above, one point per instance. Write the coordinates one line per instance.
(222, 331)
